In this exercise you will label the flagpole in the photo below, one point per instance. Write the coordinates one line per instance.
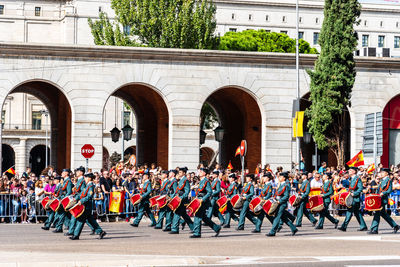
(297, 80)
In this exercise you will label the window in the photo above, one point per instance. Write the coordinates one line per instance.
(232, 29)
(381, 41)
(365, 40)
(284, 19)
(316, 37)
(397, 42)
(3, 118)
(37, 11)
(266, 18)
(250, 17)
(1, 9)
(36, 120)
(127, 29)
(284, 32)
(233, 16)
(127, 117)
(301, 35)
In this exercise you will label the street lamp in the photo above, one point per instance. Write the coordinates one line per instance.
(115, 134)
(127, 131)
(219, 133)
(307, 137)
(203, 135)
(46, 113)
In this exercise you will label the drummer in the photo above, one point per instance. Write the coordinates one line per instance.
(247, 196)
(62, 216)
(282, 195)
(163, 192)
(304, 192)
(355, 188)
(230, 192)
(204, 192)
(172, 185)
(385, 189)
(327, 192)
(266, 193)
(216, 187)
(144, 204)
(51, 219)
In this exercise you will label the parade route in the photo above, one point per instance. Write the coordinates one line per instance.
(28, 245)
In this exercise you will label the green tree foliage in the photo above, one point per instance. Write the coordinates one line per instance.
(333, 76)
(208, 117)
(158, 23)
(262, 41)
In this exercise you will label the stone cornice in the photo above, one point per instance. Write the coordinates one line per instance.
(113, 53)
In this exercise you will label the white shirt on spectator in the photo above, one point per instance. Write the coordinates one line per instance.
(316, 184)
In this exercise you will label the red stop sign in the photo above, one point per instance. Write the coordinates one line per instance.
(87, 151)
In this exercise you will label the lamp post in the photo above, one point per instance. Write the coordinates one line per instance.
(203, 135)
(219, 136)
(307, 140)
(127, 132)
(46, 114)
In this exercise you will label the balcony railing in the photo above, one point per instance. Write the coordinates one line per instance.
(31, 127)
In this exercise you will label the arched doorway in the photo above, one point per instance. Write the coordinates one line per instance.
(106, 158)
(326, 155)
(8, 157)
(391, 132)
(151, 119)
(37, 159)
(130, 151)
(59, 110)
(206, 155)
(239, 115)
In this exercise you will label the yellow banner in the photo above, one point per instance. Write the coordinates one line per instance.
(300, 120)
(294, 128)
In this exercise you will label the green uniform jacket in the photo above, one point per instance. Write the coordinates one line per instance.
(80, 185)
(232, 190)
(305, 189)
(183, 189)
(86, 195)
(356, 187)
(385, 188)
(266, 192)
(66, 187)
(146, 191)
(216, 188)
(204, 192)
(57, 191)
(173, 184)
(248, 191)
(164, 187)
(328, 188)
(283, 193)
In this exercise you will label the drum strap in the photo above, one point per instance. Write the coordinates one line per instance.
(165, 185)
(352, 188)
(305, 189)
(323, 188)
(201, 189)
(280, 193)
(247, 190)
(84, 194)
(65, 185)
(231, 189)
(386, 188)
(215, 184)
(264, 193)
(183, 185)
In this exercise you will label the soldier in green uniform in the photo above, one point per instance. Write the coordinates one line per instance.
(163, 192)
(266, 193)
(172, 185)
(282, 196)
(355, 188)
(327, 192)
(230, 192)
(247, 195)
(66, 190)
(86, 199)
(304, 190)
(204, 192)
(182, 190)
(385, 189)
(51, 219)
(144, 205)
(216, 187)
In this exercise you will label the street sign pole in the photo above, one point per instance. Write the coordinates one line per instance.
(87, 165)
(375, 142)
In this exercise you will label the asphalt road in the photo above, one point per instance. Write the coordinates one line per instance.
(28, 245)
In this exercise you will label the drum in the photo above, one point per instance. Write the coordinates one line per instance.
(373, 202)
(237, 202)
(55, 204)
(135, 199)
(346, 199)
(175, 203)
(270, 206)
(315, 203)
(77, 210)
(222, 201)
(153, 201)
(47, 207)
(295, 200)
(44, 202)
(256, 205)
(193, 206)
(68, 202)
(162, 201)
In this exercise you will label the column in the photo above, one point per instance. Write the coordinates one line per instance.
(20, 156)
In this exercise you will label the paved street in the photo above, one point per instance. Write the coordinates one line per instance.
(28, 245)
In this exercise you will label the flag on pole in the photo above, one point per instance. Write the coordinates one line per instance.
(237, 151)
(371, 168)
(357, 160)
(11, 170)
(230, 167)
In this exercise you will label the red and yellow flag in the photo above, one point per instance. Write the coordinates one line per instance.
(357, 160)
(237, 151)
(11, 170)
(371, 168)
(230, 167)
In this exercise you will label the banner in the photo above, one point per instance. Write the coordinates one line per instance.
(117, 202)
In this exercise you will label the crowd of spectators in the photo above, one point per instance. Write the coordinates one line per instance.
(20, 195)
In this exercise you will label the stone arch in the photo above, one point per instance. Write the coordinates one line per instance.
(391, 132)
(206, 155)
(8, 157)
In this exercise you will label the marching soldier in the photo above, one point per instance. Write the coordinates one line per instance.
(216, 187)
(385, 189)
(86, 199)
(163, 192)
(144, 204)
(230, 192)
(66, 190)
(247, 195)
(266, 193)
(327, 192)
(51, 219)
(172, 185)
(304, 189)
(355, 188)
(282, 196)
(204, 192)
(182, 190)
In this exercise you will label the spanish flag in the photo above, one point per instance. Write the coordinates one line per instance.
(371, 168)
(230, 167)
(237, 151)
(11, 170)
(357, 161)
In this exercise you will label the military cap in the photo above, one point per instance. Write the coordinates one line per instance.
(250, 175)
(184, 169)
(353, 168)
(57, 178)
(232, 175)
(285, 174)
(216, 172)
(165, 172)
(268, 174)
(174, 171)
(206, 170)
(385, 170)
(80, 168)
(66, 170)
(89, 174)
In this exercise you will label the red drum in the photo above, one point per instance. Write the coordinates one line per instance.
(77, 210)
(47, 207)
(55, 205)
(373, 202)
(153, 201)
(222, 201)
(194, 206)
(237, 202)
(256, 205)
(44, 202)
(135, 199)
(68, 202)
(162, 201)
(294, 200)
(175, 203)
(315, 203)
(270, 206)
(346, 199)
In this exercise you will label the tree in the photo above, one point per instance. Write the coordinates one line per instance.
(158, 23)
(262, 41)
(208, 117)
(333, 76)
